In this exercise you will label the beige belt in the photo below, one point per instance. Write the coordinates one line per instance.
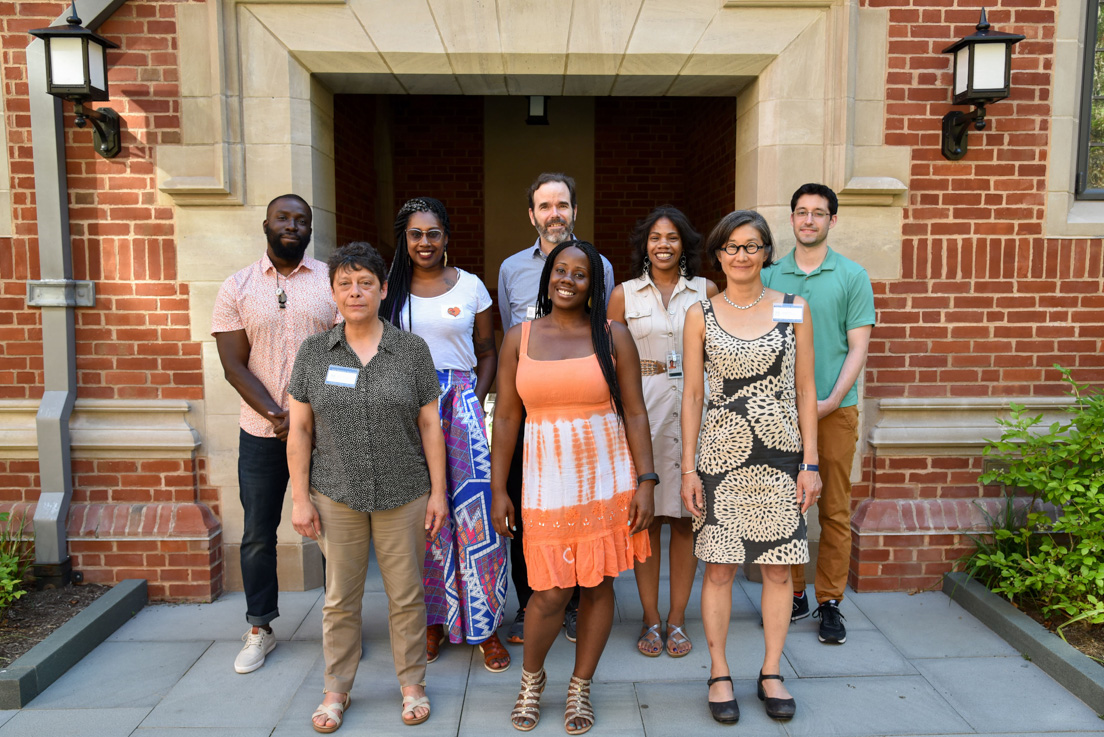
(651, 368)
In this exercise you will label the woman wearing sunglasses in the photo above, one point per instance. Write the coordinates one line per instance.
(752, 474)
(465, 566)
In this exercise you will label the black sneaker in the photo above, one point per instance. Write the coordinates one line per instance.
(516, 634)
(832, 630)
(800, 607)
(571, 621)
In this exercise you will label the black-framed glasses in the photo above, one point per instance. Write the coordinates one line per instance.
(413, 235)
(733, 248)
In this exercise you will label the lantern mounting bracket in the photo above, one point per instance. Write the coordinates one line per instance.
(105, 124)
(955, 125)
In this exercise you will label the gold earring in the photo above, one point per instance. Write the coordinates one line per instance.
(446, 257)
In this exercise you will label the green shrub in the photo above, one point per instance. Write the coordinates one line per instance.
(14, 560)
(1056, 560)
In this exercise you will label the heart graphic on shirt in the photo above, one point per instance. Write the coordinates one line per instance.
(454, 311)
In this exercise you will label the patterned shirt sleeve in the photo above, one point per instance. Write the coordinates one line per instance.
(426, 386)
(226, 318)
(299, 385)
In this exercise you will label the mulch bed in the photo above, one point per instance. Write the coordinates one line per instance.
(38, 613)
(1089, 639)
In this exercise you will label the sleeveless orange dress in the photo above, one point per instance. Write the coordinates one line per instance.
(578, 476)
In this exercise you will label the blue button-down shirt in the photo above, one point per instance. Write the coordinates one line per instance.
(519, 282)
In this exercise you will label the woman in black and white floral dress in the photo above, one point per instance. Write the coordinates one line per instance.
(752, 474)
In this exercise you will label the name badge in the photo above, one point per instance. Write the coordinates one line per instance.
(531, 312)
(342, 376)
(789, 313)
(674, 364)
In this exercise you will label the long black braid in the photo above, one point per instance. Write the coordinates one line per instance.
(596, 307)
(398, 280)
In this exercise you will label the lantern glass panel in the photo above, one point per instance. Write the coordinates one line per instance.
(67, 62)
(989, 70)
(962, 69)
(96, 75)
(536, 105)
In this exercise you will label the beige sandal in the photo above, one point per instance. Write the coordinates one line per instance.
(410, 703)
(527, 706)
(578, 706)
(334, 712)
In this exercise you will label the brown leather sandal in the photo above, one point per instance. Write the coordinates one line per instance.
(496, 658)
(434, 634)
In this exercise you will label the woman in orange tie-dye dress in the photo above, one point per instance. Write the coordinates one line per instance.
(584, 509)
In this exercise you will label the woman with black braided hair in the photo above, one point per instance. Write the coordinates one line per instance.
(465, 565)
(584, 509)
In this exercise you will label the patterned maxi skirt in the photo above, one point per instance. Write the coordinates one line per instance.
(465, 567)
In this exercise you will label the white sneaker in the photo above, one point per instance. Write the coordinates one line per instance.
(257, 646)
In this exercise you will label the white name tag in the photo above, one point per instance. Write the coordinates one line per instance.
(789, 313)
(531, 312)
(342, 376)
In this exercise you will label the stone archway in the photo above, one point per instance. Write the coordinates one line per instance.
(257, 119)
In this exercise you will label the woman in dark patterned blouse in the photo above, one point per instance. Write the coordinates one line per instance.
(364, 394)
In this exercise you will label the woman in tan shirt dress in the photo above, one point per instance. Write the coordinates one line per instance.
(666, 255)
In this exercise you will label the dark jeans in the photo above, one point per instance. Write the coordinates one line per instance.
(262, 482)
(519, 572)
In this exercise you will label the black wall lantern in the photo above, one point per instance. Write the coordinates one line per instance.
(982, 70)
(538, 110)
(76, 70)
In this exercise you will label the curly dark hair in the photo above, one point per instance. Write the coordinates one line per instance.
(718, 237)
(600, 335)
(691, 240)
(357, 256)
(398, 282)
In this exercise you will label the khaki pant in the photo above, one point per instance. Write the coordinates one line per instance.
(398, 537)
(837, 435)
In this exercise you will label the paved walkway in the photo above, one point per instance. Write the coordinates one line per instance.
(912, 665)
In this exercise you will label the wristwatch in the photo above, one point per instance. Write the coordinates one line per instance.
(808, 467)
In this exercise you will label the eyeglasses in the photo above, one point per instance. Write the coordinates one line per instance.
(817, 214)
(413, 235)
(733, 248)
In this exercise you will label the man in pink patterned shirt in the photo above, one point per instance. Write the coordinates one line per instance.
(262, 314)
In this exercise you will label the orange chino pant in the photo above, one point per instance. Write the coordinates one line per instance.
(837, 434)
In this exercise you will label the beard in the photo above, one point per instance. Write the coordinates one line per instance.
(556, 238)
(291, 252)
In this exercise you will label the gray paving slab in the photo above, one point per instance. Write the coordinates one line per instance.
(853, 617)
(376, 700)
(7, 714)
(857, 707)
(223, 619)
(1007, 695)
(616, 712)
(202, 732)
(866, 653)
(930, 625)
(140, 674)
(73, 723)
(679, 708)
(202, 697)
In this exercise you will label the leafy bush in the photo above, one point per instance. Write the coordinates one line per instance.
(1055, 560)
(14, 560)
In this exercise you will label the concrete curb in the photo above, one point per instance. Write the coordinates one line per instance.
(48, 661)
(1078, 673)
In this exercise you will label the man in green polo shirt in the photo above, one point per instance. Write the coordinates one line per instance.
(841, 302)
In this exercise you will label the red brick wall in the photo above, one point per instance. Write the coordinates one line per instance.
(135, 342)
(438, 152)
(355, 170)
(986, 304)
(655, 151)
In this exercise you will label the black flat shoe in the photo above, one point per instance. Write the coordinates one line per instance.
(725, 712)
(776, 708)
